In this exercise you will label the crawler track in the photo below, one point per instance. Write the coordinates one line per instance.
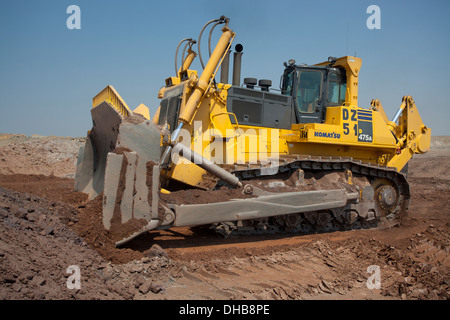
(385, 196)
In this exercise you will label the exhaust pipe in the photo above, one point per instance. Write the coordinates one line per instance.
(224, 69)
(237, 65)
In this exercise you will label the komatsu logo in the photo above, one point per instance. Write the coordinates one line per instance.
(332, 135)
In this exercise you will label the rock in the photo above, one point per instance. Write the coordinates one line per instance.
(136, 268)
(140, 280)
(145, 287)
(408, 280)
(325, 286)
(39, 296)
(4, 205)
(38, 281)
(3, 212)
(420, 291)
(149, 285)
(146, 260)
(49, 231)
(8, 278)
(156, 287)
(20, 213)
(16, 287)
(31, 217)
(25, 278)
(157, 251)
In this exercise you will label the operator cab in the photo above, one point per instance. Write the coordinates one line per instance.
(313, 89)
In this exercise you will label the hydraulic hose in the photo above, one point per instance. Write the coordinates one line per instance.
(193, 103)
(184, 52)
(210, 35)
(221, 19)
(176, 54)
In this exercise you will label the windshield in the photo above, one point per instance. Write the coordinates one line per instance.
(308, 90)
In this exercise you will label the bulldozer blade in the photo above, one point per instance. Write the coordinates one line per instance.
(120, 160)
(101, 139)
(132, 181)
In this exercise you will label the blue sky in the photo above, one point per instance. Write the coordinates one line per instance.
(49, 74)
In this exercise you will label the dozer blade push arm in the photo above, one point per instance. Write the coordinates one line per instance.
(412, 135)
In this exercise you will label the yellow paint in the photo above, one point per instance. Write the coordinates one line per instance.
(352, 66)
(143, 111)
(348, 130)
(110, 95)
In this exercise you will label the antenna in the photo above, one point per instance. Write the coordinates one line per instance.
(346, 48)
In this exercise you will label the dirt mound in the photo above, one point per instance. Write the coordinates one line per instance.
(87, 220)
(440, 143)
(37, 247)
(39, 155)
(90, 227)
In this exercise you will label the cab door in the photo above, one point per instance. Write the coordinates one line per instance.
(308, 96)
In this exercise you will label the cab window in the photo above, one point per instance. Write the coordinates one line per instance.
(308, 90)
(336, 89)
(288, 83)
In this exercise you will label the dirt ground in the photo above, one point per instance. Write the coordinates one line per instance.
(46, 229)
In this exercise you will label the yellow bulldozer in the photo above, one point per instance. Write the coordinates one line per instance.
(244, 157)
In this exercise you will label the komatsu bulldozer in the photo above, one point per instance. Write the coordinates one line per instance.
(246, 157)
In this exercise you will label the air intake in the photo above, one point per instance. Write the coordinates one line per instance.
(250, 82)
(265, 84)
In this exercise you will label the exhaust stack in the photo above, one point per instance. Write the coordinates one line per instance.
(237, 65)
(224, 69)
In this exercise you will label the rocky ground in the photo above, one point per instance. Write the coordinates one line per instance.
(47, 231)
